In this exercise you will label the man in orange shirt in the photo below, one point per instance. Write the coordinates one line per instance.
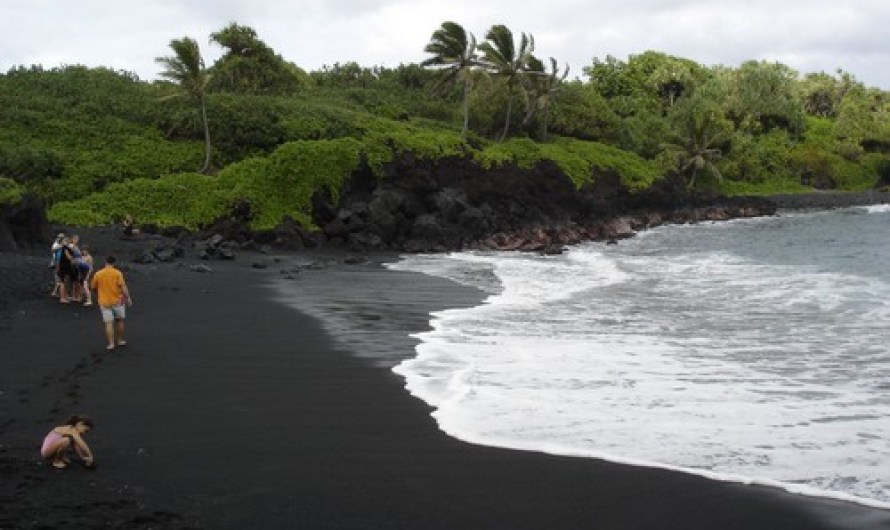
(113, 296)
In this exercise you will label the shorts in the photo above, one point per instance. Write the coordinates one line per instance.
(113, 312)
(66, 273)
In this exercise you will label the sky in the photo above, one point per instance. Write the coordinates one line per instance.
(807, 35)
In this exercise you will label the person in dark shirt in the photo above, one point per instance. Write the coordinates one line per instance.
(54, 262)
(66, 271)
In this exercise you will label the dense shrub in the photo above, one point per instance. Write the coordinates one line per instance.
(757, 159)
(580, 112)
(283, 183)
(383, 139)
(578, 159)
(30, 163)
(184, 199)
(10, 191)
(131, 157)
(67, 132)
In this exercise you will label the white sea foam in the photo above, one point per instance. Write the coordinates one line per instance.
(878, 208)
(694, 356)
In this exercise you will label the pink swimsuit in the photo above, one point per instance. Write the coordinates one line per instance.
(51, 440)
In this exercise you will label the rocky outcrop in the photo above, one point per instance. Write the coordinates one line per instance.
(23, 225)
(454, 204)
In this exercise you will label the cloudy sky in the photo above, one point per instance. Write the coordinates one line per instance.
(808, 35)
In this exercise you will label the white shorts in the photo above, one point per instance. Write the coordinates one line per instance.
(113, 312)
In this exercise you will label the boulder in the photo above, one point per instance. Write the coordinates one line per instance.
(145, 257)
(365, 241)
(336, 228)
(289, 235)
(204, 269)
(384, 213)
(214, 241)
(167, 254)
(450, 203)
(427, 227)
(619, 228)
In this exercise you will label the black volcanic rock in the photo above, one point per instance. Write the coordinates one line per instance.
(23, 225)
(452, 203)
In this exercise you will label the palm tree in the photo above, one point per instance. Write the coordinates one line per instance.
(454, 50)
(541, 87)
(186, 69)
(694, 145)
(505, 61)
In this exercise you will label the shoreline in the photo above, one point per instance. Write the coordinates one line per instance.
(795, 489)
(829, 199)
(804, 492)
(230, 409)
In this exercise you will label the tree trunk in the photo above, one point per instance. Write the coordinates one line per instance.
(206, 136)
(546, 116)
(466, 109)
(509, 112)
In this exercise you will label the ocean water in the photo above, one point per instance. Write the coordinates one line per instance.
(753, 350)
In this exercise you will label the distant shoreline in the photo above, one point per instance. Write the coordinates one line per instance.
(829, 199)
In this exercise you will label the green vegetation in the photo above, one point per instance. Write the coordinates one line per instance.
(579, 160)
(98, 145)
(283, 183)
(183, 199)
(455, 52)
(186, 69)
(10, 191)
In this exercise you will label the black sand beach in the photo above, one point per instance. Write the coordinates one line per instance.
(231, 409)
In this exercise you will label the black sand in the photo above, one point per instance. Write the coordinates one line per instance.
(229, 409)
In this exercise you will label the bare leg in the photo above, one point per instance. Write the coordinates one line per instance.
(88, 293)
(63, 292)
(119, 332)
(57, 453)
(109, 335)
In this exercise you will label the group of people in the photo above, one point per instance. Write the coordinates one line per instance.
(72, 266)
(75, 280)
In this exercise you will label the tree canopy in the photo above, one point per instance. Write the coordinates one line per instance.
(249, 66)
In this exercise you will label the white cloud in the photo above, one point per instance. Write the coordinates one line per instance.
(817, 35)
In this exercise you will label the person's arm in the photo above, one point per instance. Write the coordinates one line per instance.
(126, 292)
(93, 284)
(82, 448)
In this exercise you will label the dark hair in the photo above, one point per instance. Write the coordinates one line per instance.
(74, 420)
(110, 260)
